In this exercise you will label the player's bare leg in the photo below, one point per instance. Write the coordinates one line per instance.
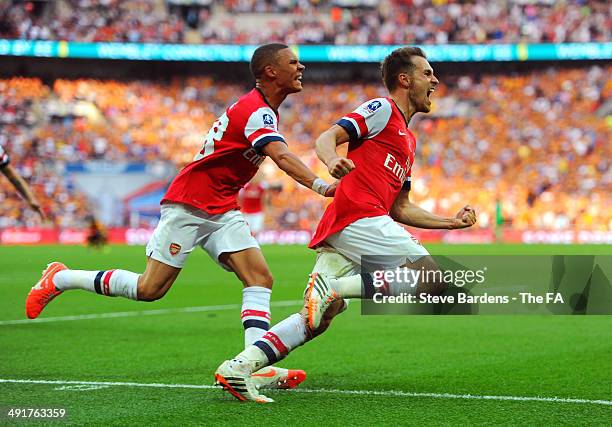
(156, 280)
(251, 268)
(57, 278)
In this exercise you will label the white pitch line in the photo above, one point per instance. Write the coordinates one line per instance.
(109, 383)
(387, 393)
(116, 314)
(456, 396)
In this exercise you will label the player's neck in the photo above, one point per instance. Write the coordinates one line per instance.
(404, 105)
(274, 96)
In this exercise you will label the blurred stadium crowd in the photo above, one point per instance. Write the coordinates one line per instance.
(338, 22)
(538, 143)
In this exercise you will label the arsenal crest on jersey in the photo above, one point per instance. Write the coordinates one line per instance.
(175, 248)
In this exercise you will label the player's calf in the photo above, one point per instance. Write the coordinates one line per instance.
(56, 278)
(156, 280)
(151, 285)
(152, 289)
(250, 266)
(103, 282)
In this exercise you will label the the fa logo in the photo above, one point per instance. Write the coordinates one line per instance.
(268, 120)
(373, 106)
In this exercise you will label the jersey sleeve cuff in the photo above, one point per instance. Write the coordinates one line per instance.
(349, 128)
(262, 142)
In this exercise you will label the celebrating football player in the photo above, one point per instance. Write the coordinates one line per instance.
(371, 199)
(200, 209)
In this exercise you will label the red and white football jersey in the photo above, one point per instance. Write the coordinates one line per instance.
(230, 157)
(4, 158)
(382, 148)
(251, 198)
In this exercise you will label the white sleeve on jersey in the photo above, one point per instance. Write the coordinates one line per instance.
(368, 120)
(262, 128)
(4, 158)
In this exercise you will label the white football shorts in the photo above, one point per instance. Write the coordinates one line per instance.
(181, 228)
(255, 221)
(381, 237)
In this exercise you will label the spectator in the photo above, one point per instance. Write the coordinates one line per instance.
(309, 21)
(534, 141)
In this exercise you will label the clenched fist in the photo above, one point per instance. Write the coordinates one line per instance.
(340, 166)
(466, 217)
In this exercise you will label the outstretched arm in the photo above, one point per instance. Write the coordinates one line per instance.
(296, 169)
(326, 150)
(22, 187)
(406, 212)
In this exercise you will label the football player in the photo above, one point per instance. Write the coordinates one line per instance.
(370, 200)
(200, 208)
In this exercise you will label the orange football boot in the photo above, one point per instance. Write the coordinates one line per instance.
(44, 291)
(279, 378)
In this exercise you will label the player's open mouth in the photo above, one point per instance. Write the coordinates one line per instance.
(299, 78)
(429, 92)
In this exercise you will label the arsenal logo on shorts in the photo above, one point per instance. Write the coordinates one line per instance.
(175, 248)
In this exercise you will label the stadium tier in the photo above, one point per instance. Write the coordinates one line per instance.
(336, 22)
(530, 150)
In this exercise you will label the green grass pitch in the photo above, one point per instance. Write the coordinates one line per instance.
(368, 356)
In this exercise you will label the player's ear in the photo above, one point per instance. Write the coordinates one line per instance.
(404, 80)
(270, 71)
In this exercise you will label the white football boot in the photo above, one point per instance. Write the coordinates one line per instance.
(320, 297)
(234, 376)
